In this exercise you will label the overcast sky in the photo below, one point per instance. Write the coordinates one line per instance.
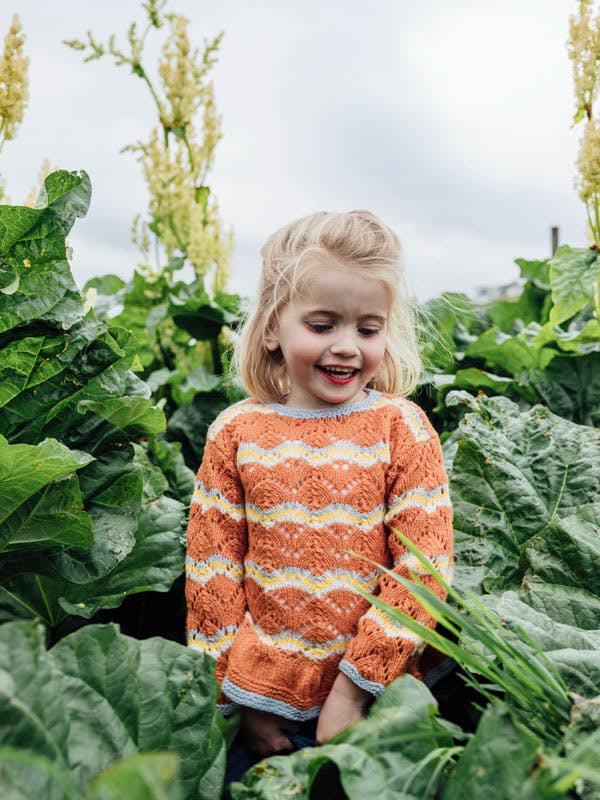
(450, 119)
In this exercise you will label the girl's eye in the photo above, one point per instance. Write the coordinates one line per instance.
(319, 327)
(368, 331)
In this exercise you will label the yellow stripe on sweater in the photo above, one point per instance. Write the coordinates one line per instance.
(342, 452)
(212, 645)
(317, 585)
(336, 513)
(236, 410)
(390, 627)
(202, 571)
(428, 500)
(213, 498)
(316, 651)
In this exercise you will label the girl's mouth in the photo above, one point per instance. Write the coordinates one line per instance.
(339, 375)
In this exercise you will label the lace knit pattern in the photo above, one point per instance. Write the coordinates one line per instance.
(284, 498)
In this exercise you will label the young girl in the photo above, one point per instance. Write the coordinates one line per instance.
(322, 461)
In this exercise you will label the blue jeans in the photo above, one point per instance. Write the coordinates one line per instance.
(240, 759)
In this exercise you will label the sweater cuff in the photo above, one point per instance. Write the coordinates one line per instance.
(351, 672)
(225, 705)
(227, 709)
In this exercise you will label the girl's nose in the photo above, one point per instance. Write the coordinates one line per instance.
(345, 345)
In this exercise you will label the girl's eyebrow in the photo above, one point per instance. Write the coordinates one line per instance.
(376, 315)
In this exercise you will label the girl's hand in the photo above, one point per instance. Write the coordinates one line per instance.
(265, 734)
(345, 704)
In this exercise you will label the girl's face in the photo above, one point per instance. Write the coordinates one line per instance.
(332, 335)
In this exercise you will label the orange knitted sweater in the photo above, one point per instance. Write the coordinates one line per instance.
(282, 499)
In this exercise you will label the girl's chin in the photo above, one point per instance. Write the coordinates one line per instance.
(340, 394)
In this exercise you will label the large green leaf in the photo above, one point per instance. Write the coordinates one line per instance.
(25, 774)
(136, 416)
(143, 306)
(535, 272)
(562, 567)
(580, 336)
(167, 456)
(32, 244)
(193, 310)
(134, 550)
(57, 370)
(153, 564)
(199, 380)
(501, 760)
(143, 776)
(529, 306)
(98, 696)
(25, 469)
(112, 490)
(574, 277)
(570, 387)
(53, 516)
(88, 541)
(30, 495)
(511, 354)
(574, 651)
(516, 475)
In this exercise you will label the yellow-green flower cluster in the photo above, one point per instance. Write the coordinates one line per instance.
(183, 74)
(588, 163)
(179, 153)
(176, 159)
(180, 75)
(153, 9)
(169, 195)
(584, 50)
(14, 82)
(184, 218)
(208, 249)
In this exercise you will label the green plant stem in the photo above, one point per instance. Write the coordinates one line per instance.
(49, 618)
(142, 74)
(21, 602)
(189, 152)
(596, 229)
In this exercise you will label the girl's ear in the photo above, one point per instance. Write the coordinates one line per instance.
(271, 340)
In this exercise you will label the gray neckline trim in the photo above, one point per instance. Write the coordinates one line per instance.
(326, 413)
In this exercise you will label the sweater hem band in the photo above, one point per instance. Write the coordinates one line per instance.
(254, 700)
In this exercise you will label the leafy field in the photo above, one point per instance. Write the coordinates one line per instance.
(102, 422)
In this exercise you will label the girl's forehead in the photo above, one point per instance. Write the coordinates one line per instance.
(318, 270)
(333, 284)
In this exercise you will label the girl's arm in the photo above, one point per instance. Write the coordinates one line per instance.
(418, 505)
(345, 704)
(216, 547)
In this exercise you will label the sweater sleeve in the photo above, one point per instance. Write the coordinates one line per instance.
(216, 546)
(418, 505)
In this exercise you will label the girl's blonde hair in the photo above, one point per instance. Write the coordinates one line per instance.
(358, 240)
